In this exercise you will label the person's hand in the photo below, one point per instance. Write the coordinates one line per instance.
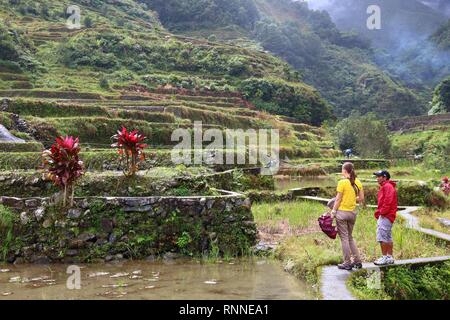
(333, 213)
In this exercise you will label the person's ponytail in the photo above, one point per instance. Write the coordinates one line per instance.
(350, 168)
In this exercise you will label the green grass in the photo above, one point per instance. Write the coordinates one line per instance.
(6, 230)
(300, 214)
(428, 219)
(312, 250)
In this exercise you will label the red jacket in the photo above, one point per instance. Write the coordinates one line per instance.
(387, 201)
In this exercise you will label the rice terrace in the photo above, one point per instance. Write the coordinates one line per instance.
(224, 150)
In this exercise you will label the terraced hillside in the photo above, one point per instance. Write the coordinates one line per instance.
(123, 68)
(339, 64)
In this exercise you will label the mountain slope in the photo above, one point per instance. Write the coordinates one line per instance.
(123, 68)
(402, 46)
(338, 64)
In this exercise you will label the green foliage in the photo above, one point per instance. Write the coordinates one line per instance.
(185, 14)
(442, 36)
(429, 282)
(15, 48)
(441, 98)
(367, 136)
(279, 97)
(7, 220)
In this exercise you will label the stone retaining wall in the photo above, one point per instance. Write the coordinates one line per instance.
(108, 228)
(414, 122)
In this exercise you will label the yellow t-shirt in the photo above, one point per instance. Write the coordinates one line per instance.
(348, 202)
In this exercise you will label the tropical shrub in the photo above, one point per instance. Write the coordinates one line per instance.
(130, 149)
(63, 164)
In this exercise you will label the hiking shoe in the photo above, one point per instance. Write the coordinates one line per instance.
(357, 265)
(384, 261)
(390, 260)
(344, 266)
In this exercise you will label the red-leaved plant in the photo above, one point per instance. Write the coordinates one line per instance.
(130, 148)
(63, 165)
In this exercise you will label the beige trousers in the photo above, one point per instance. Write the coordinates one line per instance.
(345, 221)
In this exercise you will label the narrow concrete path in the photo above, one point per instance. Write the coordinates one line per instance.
(333, 281)
(414, 223)
(333, 284)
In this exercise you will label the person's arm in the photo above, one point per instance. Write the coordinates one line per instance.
(337, 204)
(361, 198)
(387, 199)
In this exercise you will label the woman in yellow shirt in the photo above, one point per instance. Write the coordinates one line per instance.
(349, 192)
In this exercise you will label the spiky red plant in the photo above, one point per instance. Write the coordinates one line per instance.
(63, 164)
(130, 148)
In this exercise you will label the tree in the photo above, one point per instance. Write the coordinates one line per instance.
(366, 135)
(441, 98)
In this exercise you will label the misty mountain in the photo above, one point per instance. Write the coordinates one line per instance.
(404, 23)
(442, 6)
(338, 63)
(411, 42)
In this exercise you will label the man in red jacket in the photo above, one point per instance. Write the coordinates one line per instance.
(385, 214)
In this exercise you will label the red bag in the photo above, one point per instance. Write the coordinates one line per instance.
(326, 224)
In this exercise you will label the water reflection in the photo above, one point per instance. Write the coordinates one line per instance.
(241, 279)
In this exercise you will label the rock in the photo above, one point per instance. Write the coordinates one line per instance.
(87, 237)
(264, 248)
(229, 219)
(171, 256)
(101, 242)
(31, 203)
(150, 258)
(247, 203)
(107, 225)
(24, 219)
(112, 238)
(71, 252)
(19, 260)
(82, 241)
(47, 223)
(210, 204)
(84, 204)
(109, 258)
(40, 259)
(73, 213)
(212, 235)
(289, 266)
(118, 256)
(39, 213)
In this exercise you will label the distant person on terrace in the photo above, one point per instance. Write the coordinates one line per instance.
(445, 186)
(349, 191)
(386, 214)
(348, 153)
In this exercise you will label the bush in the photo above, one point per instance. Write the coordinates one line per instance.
(293, 100)
(104, 84)
(427, 283)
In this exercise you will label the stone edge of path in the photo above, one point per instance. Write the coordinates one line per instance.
(333, 282)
